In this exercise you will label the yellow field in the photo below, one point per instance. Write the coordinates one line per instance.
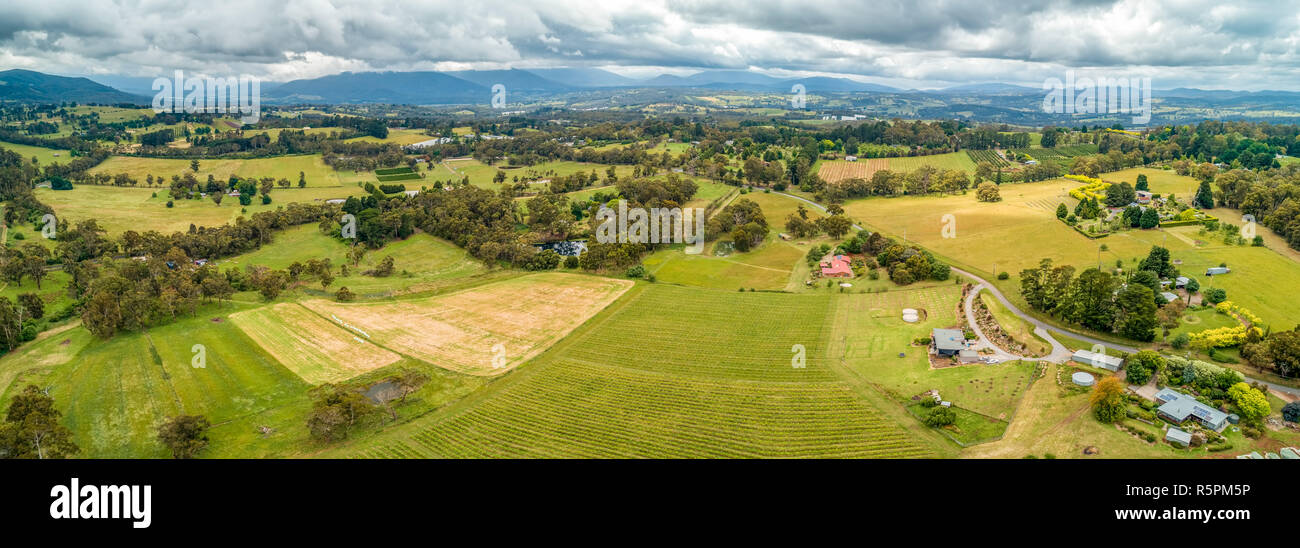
(483, 331)
(400, 136)
(310, 345)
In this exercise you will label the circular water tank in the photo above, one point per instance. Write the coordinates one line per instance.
(1083, 379)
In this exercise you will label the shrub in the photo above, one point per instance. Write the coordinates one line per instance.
(1004, 276)
(1291, 412)
(570, 262)
(170, 204)
(940, 416)
(636, 271)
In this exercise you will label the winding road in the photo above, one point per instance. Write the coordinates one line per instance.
(1059, 354)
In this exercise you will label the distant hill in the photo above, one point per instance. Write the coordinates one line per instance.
(584, 77)
(414, 88)
(992, 88)
(513, 80)
(26, 86)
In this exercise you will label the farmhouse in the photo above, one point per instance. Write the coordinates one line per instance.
(948, 342)
(1169, 297)
(1215, 271)
(1177, 408)
(836, 266)
(1097, 359)
(1181, 282)
(1143, 197)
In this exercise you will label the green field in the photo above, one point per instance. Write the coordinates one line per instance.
(952, 160)
(1026, 216)
(44, 156)
(481, 174)
(281, 167)
(136, 208)
(599, 394)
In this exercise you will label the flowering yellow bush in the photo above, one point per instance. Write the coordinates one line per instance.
(1229, 336)
(1093, 187)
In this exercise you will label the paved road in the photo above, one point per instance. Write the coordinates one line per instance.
(1041, 328)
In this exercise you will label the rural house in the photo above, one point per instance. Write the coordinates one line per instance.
(836, 266)
(1177, 407)
(1097, 359)
(1181, 282)
(948, 342)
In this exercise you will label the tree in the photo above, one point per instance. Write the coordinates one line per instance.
(194, 166)
(1150, 219)
(1252, 404)
(1142, 366)
(835, 226)
(1136, 313)
(1291, 412)
(217, 197)
(32, 430)
(1142, 183)
(1204, 196)
(988, 192)
(335, 410)
(1062, 211)
(184, 435)
(1107, 400)
(1284, 347)
(344, 294)
(940, 417)
(32, 305)
(302, 179)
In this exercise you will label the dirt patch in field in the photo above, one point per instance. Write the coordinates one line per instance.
(309, 345)
(486, 330)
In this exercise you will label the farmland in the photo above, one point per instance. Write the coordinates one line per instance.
(989, 156)
(599, 394)
(837, 170)
(285, 167)
(137, 208)
(309, 345)
(44, 156)
(863, 168)
(485, 331)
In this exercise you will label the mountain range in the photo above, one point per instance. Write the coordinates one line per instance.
(990, 101)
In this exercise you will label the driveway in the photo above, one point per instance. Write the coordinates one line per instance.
(1059, 354)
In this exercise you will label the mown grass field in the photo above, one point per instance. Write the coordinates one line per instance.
(136, 208)
(311, 346)
(601, 394)
(481, 174)
(44, 156)
(487, 330)
(281, 167)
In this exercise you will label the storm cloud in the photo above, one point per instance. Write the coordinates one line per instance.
(1208, 44)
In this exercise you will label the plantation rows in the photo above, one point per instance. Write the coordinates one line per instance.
(1061, 155)
(676, 372)
(577, 410)
(715, 334)
(989, 156)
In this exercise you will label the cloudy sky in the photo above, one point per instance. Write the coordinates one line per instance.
(917, 43)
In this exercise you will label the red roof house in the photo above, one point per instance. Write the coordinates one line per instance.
(836, 266)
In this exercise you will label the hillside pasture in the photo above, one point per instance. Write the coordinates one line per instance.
(311, 346)
(461, 331)
(280, 167)
(44, 156)
(719, 383)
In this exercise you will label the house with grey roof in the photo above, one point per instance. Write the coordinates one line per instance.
(1178, 437)
(1097, 359)
(1181, 281)
(1178, 408)
(948, 342)
(1218, 270)
(1169, 297)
